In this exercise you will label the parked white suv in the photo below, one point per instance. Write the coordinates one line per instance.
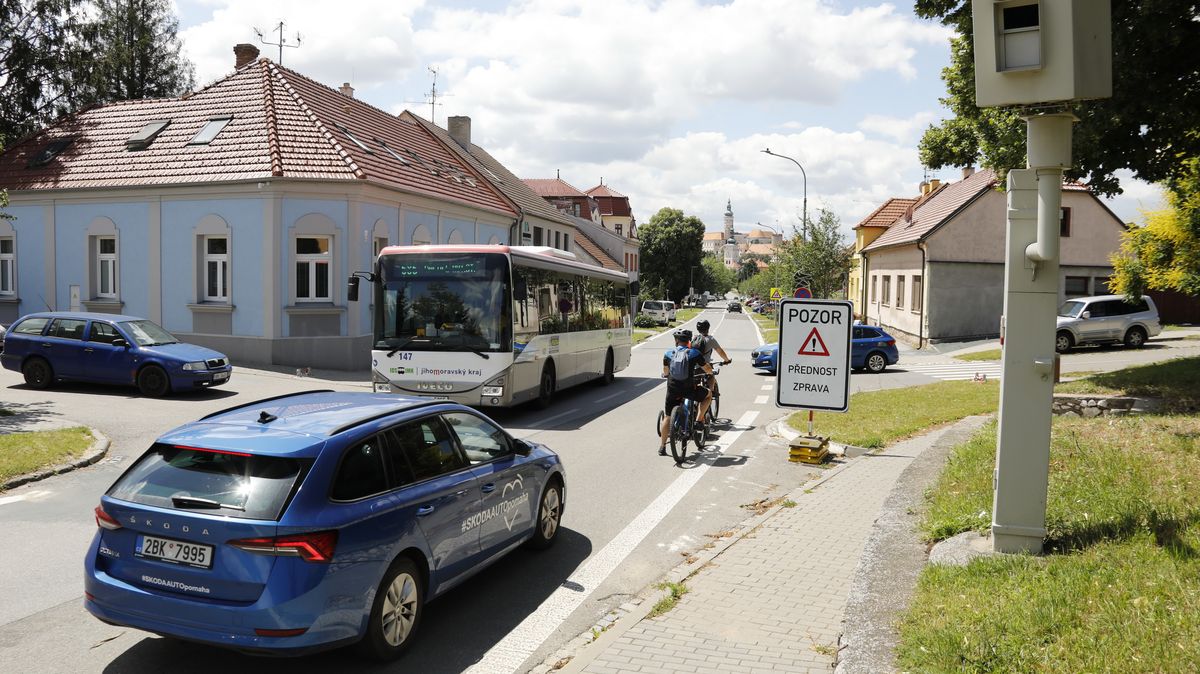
(1105, 319)
(662, 311)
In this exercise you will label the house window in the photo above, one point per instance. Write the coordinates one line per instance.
(916, 293)
(900, 292)
(887, 290)
(1064, 222)
(209, 131)
(575, 210)
(617, 226)
(537, 236)
(874, 284)
(557, 239)
(8, 280)
(216, 269)
(312, 269)
(106, 267)
(1100, 285)
(1076, 286)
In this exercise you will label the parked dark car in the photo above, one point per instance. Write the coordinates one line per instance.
(109, 349)
(871, 349)
(734, 306)
(316, 520)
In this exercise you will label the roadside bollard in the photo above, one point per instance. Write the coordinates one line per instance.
(808, 449)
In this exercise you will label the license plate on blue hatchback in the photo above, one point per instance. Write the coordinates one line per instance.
(175, 552)
(221, 376)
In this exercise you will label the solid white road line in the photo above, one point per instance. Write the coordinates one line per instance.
(760, 400)
(32, 495)
(527, 637)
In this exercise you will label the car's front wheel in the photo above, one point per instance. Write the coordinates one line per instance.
(1063, 342)
(38, 373)
(876, 362)
(1135, 338)
(396, 612)
(549, 517)
(153, 381)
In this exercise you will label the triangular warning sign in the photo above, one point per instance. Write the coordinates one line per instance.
(813, 345)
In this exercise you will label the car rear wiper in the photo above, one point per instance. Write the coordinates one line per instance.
(197, 502)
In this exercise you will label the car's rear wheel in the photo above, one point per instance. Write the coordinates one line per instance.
(876, 362)
(38, 373)
(396, 612)
(1063, 342)
(549, 517)
(1135, 338)
(153, 381)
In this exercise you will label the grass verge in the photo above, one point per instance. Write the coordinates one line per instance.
(674, 592)
(770, 330)
(990, 354)
(879, 418)
(642, 334)
(1174, 381)
(1121, 589)
(22, 453)
(684, 315)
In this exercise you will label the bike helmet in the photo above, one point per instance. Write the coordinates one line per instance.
(702, 326)
(683, 335)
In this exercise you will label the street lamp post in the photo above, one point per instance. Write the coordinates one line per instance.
(804, 225)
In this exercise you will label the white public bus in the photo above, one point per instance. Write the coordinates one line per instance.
(493, 325)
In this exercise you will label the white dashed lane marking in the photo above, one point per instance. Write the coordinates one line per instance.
(760, 400)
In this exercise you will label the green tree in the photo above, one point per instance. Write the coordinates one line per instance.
(137, 52)
(40, 57)
(1148, 126)
(749, 265)
(718, 278)
(671, 246)
(823, 261)
(1164, 253)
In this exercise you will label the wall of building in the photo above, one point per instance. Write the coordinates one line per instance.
(904, 261)
(964, 300)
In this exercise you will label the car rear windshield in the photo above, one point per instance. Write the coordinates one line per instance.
(221, 483)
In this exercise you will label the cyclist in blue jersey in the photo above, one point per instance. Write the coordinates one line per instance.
(681, 363)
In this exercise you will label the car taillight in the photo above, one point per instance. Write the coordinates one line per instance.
(891, 342)
(262, 632)
(313, 547)
(104, 520)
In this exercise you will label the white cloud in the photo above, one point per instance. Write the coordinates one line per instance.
(900, 129)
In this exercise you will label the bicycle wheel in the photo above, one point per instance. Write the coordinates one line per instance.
(679, 434)
(700, 430)
(658, 424)
(715, 407)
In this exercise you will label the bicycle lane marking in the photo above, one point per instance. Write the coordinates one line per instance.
(518, 645)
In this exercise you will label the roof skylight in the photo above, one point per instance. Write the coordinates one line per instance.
(210, 130)
(48, 153)
(395, 155)
(143, 138)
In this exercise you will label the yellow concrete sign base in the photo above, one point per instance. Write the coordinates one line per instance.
(806, 449)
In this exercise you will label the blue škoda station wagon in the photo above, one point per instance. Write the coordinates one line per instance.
(315, 520)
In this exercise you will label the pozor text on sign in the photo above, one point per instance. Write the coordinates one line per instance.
(814, 354)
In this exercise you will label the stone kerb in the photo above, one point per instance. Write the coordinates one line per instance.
(1093, 405)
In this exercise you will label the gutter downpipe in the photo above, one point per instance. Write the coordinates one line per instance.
(516, 227)
(924, 284)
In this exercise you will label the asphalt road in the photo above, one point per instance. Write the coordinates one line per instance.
(630, 517)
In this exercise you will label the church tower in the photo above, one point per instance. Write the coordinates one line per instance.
(732, 255)
(728, 220)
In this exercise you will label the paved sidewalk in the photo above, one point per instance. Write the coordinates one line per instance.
(773, 600)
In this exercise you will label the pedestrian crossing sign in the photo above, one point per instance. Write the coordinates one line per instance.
(776, 294)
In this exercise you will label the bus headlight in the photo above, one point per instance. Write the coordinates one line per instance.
(494, 388)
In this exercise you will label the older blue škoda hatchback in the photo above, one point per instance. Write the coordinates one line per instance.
(314, 520)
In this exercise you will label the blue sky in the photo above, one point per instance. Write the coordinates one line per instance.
(669, 101)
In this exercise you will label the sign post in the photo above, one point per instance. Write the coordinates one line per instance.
(813, 371)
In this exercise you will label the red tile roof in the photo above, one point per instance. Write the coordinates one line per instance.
(935, 209)
(603, 190)
(283, 125)
(553, 187)
(886, 214)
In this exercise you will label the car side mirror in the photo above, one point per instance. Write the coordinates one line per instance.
(1087, 314)
(352, 288)
(119, 342)
(521, 447)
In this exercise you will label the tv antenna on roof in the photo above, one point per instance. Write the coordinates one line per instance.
(282, 41)
(432, 96)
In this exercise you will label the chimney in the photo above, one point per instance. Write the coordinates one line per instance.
(459, 127)
(347, 90)
(923, 188)
(934, 184)
(244, 53)
(968, 171)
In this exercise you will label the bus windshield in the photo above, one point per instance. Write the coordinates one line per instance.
(444, 302)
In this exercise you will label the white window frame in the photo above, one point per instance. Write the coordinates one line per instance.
(107, 260)
(8, 265)
(312, 260)
(222, 262)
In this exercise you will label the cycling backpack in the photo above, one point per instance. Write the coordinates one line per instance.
(680, 367)
(703, 344)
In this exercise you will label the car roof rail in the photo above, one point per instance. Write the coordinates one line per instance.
(263, 400)
(381, 415)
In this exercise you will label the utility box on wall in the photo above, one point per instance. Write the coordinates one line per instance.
(1041, 51)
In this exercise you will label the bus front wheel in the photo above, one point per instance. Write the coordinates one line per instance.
(607, 377)
(546, 389)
